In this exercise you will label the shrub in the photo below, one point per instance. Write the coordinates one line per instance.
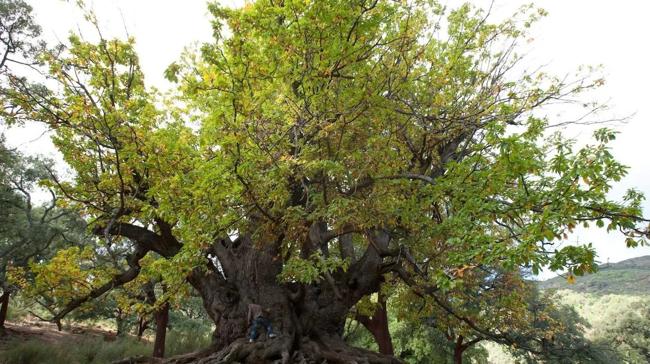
(35, 352)
(181, 342)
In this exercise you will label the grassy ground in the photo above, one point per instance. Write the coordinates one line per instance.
(38, 343)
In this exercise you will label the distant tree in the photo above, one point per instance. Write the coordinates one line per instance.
(425, 343)
(30, 231)
(415, 341)
(18, 32)
(491, 304)
(532, 324)
(556, 335)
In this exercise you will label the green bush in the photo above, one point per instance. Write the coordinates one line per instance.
(17, 311)
(181, 342)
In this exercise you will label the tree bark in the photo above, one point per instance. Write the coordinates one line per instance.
(161, 316)
(307, 318)
(4, 301)
(460, 347)
(120, 323)
(458, 350)
(378, 327)
(143, 324)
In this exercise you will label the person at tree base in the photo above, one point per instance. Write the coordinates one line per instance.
(256, 319)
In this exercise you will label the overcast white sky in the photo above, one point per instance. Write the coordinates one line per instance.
(576, 32)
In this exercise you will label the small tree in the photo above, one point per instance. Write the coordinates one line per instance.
(29, 231)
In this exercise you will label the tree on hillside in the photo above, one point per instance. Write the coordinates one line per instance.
(487, 298)
(27, 229)
(317, 148)
(555, 334)
(629, 335)
(512, 309)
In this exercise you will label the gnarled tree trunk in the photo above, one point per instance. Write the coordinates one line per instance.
(308, 318)
(161, 316)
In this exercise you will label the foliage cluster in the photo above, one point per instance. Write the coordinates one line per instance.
(336, 146)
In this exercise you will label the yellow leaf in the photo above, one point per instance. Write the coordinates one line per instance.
(571, 279)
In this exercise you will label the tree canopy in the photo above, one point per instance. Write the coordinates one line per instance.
(317, 152)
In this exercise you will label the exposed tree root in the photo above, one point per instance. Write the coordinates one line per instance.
(279, 351)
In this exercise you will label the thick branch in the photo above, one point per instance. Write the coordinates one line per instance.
(167, 247)
(365, 275)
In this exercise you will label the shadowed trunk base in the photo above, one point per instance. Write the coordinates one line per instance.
(278, 351)
(274, 351)
(4, 304)
(308, 317)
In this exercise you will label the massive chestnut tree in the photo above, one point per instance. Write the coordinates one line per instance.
(317, 152)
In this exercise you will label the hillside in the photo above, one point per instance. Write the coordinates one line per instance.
(605, 299)
(628, 277)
